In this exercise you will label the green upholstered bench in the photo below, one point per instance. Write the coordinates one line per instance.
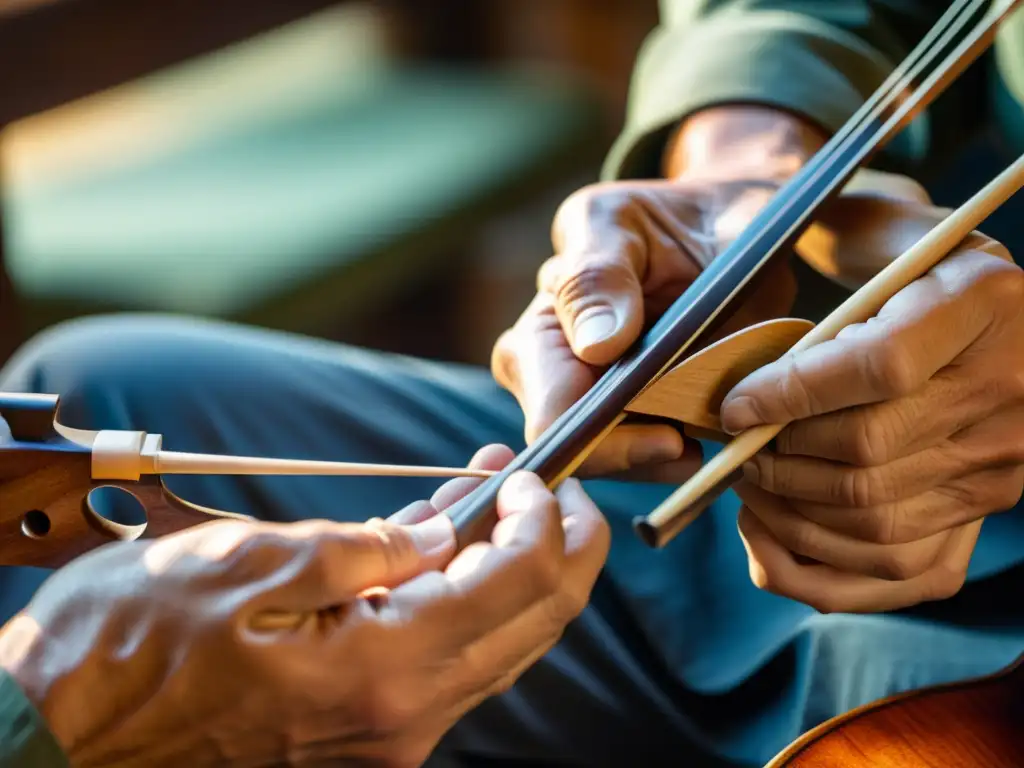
(302, 217)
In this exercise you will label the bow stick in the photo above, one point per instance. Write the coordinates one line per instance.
(48, 472)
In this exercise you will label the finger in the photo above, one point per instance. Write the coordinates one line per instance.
(802, 536)
(878, 433)
(917, 332)
(992, 443)
(483, 594)
(947, 506)
(490, 457)
(634, 445)
(320, 564)
(413, 513)
(488, 583)
(595, 278)
(587, 542)
(826, 482)
(534, 362)
(829, 590)
(670, 472)
(492, 663)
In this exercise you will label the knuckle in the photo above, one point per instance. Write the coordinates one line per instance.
(504, 366)
(859, 487)
(1013, 453)
(1011, 383)
(884, 525)
(572, 601)
(503, 685)
(393, 546)
(592, 202)
(890, 369)
(897, 564)
(1006, 494)
(582, 285)
(803, 538)
(1003, 285)
(871, 440)
(762, 577)
(796, 395)
(946, 582)
(542, 573)
(385, 709)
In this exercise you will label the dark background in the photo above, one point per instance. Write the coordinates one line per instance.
(105, 105)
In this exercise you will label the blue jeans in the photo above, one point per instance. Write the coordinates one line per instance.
(678, 657)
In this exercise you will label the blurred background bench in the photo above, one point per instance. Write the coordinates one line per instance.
(379, 173)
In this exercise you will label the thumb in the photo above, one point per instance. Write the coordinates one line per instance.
(331, 563)
(594, 280)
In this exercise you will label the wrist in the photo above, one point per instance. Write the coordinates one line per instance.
(741, 142)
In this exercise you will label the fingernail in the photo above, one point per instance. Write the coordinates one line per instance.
(433, 536)
(657, 448)
(593, 328)
(740, 414)
(751, 473)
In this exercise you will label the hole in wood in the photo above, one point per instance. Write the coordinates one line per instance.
(117, 512)
(36, 524)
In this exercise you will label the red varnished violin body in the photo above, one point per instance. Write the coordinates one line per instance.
(971, 724)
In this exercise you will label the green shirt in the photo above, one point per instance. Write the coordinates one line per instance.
(25, 740)
(817, 58)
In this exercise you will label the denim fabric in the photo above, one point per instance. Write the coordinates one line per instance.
(677, 655)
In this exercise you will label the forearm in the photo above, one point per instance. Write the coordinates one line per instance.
(816, 60)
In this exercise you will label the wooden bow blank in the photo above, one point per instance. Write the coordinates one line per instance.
(48, 472)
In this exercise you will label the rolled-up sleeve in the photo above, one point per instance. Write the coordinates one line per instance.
(820, 60)
(25, 739)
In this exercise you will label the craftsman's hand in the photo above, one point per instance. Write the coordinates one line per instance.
(239, 643)
(903, 434)
(624, 252)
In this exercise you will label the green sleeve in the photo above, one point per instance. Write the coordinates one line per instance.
(25, 740)
(820, 59)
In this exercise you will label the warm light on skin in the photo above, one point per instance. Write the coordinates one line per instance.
(214, 545)
(17, 639)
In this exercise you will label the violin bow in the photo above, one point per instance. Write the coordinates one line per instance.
(48, 472)
(941, 56)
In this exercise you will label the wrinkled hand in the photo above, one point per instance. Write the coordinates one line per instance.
(257, 643)
(624, 252)
(903, 434)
